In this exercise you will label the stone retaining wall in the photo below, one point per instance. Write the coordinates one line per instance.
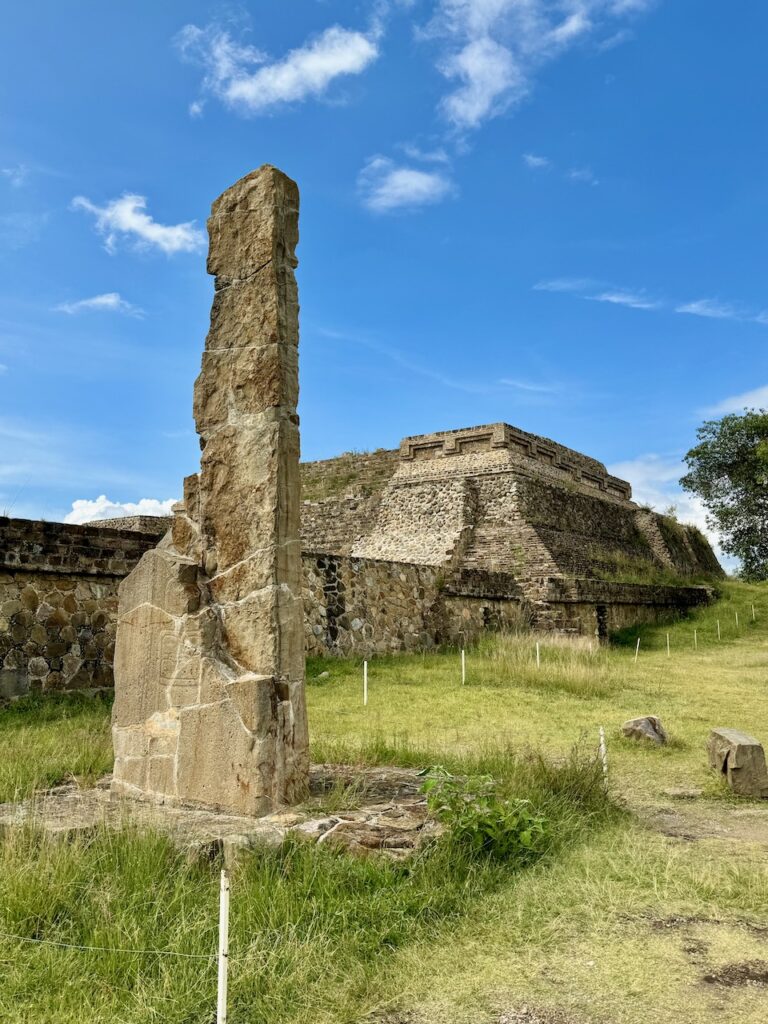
(58, 602)
(366, 606)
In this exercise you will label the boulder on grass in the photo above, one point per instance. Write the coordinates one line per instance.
(648, 728)
(741, 759)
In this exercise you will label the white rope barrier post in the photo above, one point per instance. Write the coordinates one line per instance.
(221, 1002)
(753, 613)
(737, 620)
(668, 652)
(365, 684)
(538, 655)
(695, 641)
(637, 649)
(718, 629)
(463, 667)
(604, 755)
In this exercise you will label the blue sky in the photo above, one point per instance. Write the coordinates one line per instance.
(549, 213)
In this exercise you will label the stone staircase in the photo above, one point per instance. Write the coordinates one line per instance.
(493, 547)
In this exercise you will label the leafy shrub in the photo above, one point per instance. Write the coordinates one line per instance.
(482, 821)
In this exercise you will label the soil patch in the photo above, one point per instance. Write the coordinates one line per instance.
(528, 1015)
(748, 972)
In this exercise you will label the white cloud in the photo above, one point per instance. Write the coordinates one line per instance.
(16, 175)
(495, 47)
(616, 39)
(714, 309)
(710, 308)
(655, 482)
(535, 162)
(427, 156)
(109, 302)
(583, 176)
(585, 288)
(385, 186)
(755, 399)
(490, 81)
(635, 300)
(244, 78)
(128, 216)
(86, 511)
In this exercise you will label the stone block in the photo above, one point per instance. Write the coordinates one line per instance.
(162, 579)
(741, 759)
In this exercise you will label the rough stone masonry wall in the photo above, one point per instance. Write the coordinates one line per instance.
(591, 537)
(353, 473)
(363, 606)
(421, 522)
(62, 590)
(58, 603)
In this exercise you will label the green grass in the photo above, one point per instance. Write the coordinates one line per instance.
(617, 923)
(45, 741)
(418, 700)
(310, 931)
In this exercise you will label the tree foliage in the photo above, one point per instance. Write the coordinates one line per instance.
(728, 470)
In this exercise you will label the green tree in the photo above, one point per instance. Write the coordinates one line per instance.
(728, 470)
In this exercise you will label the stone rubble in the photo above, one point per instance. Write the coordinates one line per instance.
(387, 814)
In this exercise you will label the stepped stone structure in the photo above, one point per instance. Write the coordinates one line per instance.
(516, 517)
(209, 660)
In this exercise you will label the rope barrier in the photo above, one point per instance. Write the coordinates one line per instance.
(108, 949)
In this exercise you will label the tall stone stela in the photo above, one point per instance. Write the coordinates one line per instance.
(209, 663)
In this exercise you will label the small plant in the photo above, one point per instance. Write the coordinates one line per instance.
(481, 820)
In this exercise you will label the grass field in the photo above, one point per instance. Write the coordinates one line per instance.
(623, 921)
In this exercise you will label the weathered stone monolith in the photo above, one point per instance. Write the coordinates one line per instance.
(209, 665)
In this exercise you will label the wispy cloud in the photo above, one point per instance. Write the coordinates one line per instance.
(386, 186)
(536, 163)
(524, 385)
(16, 175)
(577, 175)
(111, 302)
(54, 453)
(247, 80)
(583, 176)
(529, 393)
(757, 398)
(565, 284)
(85, 510)
(600, 291)
(18, 230)
(713, 309)
(427, 156)
(494, 48)
(128, 217)
(635, 300)
(3, 369)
